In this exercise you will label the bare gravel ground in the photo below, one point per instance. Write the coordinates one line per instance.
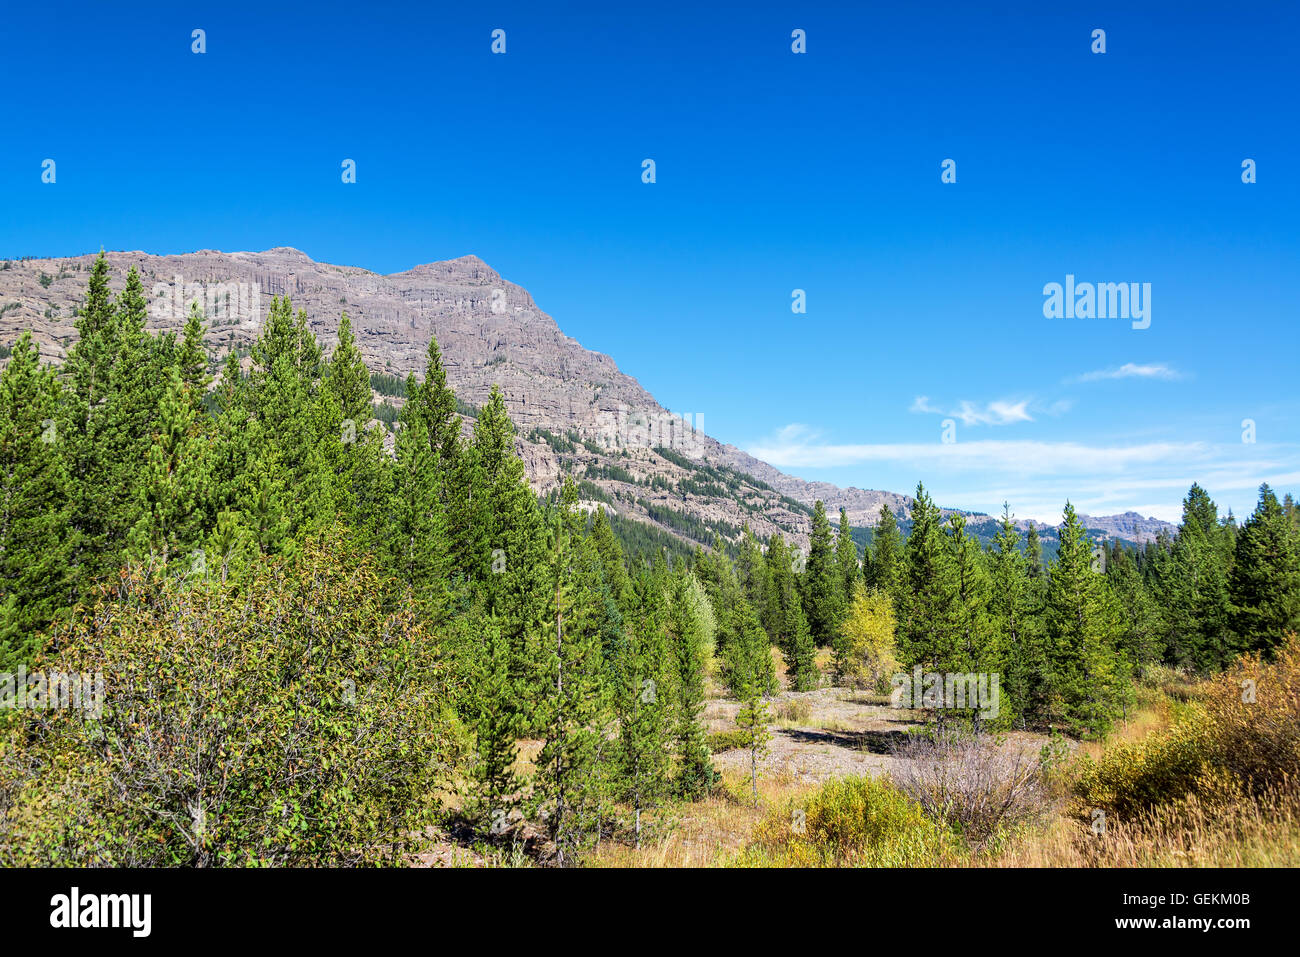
(845, 732)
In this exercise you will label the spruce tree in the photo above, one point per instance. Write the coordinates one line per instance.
(823, 584)
(35, 501)
(641, 699)
(174, 484)
(1087, 678)
(800, 652)
(1264, 586)
(689, 619)
(497, 727)
(887, 562)
(846, 557)
(572, 714)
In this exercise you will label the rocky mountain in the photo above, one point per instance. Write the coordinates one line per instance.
(575, 411)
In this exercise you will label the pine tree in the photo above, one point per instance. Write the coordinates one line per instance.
(175, 481)
(614, 570)
(1192, 587)
(1264, 586)
(415, 528)
(192, 359)
(1142, 640)
(751, 570)
(346, 377)
(497, 726)
(846, 558)
(925, 625)
(822, 581)
(1087, 679)
(752, 721)
(689, 621)
(800, 653)
(976, 648)
(573, 712)
(35, 585)
(748, 655)
(641, 698)
(1034, 554)
(106, 416)
(1012, 612)
(782, 592)
(887, 563)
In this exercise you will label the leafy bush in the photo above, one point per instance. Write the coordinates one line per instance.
(285, 720)
(1245, 737)
(853, 821)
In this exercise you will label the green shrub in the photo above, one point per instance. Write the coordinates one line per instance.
(854, 821)
(1233, 743)
(720, 741)
(286, 719)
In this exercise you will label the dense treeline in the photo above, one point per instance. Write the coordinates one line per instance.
(253, 550)
(1064, 637)
(309, 641)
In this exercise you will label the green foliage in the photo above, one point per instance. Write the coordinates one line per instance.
(865, 649)
(747, 656)
(823, 594)
(850, 822)
(288, 721)
(390, 385)
(235, 554)
(752, 724)
(34, 506)
(1264, 584)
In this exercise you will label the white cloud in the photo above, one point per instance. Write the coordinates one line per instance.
(800, 448)
(1131, 370)
(1036, 477)
(997, 412)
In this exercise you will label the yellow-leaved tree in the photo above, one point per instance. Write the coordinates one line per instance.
(865, 652)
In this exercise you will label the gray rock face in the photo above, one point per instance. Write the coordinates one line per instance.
(490, 331)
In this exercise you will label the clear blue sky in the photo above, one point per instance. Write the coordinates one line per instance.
(775, 171)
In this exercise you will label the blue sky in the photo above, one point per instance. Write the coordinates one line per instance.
(775, 172)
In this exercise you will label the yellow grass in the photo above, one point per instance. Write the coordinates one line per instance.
(707, 833)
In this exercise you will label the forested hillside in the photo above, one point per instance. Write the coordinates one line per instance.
(315, 647)
(576, 413)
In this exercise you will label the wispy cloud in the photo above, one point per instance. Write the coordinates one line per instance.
(1102, 478)
(1131, 370)
(797, 446)
(997, 412)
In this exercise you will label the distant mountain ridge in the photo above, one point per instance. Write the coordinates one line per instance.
(562, 397)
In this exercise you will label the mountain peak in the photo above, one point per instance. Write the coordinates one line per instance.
(468, 267)
(288, 252)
